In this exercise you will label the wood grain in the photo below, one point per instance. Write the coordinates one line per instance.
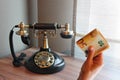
(110, 71)
(9, 72)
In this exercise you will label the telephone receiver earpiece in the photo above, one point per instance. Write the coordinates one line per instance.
(67, 33)
(22, 31)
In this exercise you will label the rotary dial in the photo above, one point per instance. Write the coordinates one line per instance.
(44, 59)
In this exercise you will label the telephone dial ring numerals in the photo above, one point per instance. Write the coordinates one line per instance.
(44, 59)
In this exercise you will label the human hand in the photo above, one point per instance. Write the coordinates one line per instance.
(91, 66)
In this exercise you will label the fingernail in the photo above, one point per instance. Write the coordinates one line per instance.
(91, 48)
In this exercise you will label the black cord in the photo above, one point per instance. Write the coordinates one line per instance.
(11, 43)
(16, 60)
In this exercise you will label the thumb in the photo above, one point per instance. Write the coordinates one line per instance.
(91, 52)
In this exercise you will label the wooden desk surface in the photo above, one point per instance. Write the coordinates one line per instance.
(9, 72)
(110, 71)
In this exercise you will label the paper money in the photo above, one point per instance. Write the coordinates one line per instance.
(93, 38)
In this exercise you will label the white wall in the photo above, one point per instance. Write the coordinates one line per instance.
(60, 11)
(82, 16)
(11, 13)
(82, 23)
(105, 15)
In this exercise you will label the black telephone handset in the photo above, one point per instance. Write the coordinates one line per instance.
(44, 61)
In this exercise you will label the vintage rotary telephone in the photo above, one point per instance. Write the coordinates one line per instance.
(44, 61)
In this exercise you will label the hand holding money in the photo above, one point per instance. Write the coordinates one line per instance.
(91, 66)
(94, 38)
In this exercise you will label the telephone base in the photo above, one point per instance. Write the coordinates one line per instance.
(56, 67)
